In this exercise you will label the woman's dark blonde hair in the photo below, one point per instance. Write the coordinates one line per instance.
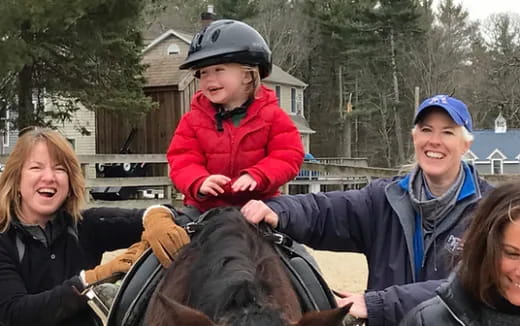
(483, 243)
(61, 152)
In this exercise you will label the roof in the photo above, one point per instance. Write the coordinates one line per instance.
(164, 70)
(301, 124)
(487, 141)
(166, 35)
(279, 76)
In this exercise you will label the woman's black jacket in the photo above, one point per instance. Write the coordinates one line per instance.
(40, 284)
(453, 305)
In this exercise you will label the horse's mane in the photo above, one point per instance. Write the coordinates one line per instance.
(232, 274)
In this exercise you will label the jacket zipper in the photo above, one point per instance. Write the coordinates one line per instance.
(451, 312)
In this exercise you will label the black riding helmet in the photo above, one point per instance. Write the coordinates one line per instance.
(229, 41)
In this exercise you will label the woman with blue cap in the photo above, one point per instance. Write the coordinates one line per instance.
(408, 227)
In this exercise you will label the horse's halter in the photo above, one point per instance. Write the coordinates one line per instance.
(267, 232)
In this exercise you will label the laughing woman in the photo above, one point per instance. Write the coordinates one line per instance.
(486, 288)
(46, 242)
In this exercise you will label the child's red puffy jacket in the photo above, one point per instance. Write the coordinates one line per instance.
(266, 144)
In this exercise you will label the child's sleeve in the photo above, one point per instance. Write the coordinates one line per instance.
(186, 159)
(284, 155)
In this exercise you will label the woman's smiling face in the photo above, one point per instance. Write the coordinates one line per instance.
(510, 263)
(44, 185)
(439, 145)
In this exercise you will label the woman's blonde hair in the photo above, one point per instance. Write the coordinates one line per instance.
(61, 152)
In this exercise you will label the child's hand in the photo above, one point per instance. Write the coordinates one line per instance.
(213, 185)
(245, 182)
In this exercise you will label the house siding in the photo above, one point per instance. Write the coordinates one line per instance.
(511, 168)
(13, 137)
(83, 144)
(306, 140)
(285, 96)
(508, 168)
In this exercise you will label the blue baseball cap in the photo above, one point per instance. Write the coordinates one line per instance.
(457, 110)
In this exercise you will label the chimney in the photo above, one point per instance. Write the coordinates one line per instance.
(207, 17)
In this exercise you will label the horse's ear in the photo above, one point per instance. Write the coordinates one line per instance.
(332, 317)
(179, 314)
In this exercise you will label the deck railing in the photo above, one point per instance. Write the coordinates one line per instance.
(323, 172)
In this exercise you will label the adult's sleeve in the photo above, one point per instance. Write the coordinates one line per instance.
(109, 228)
(48, 308)
(284, 155)
(185, 158)
(338, 220)
(389, 306)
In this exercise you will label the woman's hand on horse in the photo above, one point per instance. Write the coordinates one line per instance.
(213, 185)
(359, 307)
(245, 182)
(256, 211)
(120, 264)
(163, 234)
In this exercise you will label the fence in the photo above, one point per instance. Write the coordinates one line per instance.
(324, 172)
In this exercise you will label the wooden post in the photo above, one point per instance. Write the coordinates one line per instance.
(416, 98)
(84, 171)
(285, 189)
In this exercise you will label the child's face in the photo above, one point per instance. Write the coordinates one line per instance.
(225, 84)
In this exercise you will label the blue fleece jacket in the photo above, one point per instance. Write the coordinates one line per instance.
(379, 222)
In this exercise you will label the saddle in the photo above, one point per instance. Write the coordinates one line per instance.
(139, 283)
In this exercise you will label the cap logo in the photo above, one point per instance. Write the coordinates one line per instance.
(439, 99)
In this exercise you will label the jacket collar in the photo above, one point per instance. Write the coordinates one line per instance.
(397, 196)
(468, 187)
(265, 96)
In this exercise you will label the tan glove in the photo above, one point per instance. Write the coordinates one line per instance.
(164, 236)
(120, 264)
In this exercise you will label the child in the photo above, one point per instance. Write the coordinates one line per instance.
(236, 143)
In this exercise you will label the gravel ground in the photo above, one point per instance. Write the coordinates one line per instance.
(343, 271)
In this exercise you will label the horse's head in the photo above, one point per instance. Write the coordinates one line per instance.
(229, 275)
(178, 314)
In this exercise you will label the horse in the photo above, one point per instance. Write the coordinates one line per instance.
(230, 275)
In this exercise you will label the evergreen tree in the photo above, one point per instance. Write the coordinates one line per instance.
(237, 9)
(71, 53)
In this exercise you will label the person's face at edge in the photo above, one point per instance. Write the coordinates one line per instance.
(44, 186)
(510, 263)
(439, 145)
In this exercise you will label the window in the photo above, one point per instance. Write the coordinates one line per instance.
(278, 90)
(299, 102)
(293, 100)
(173, 49)
(496, 167)
(4, 125)
(72, 142)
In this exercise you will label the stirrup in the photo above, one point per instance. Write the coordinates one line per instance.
(100, 299)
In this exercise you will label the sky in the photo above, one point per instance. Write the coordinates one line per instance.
(480, 9)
